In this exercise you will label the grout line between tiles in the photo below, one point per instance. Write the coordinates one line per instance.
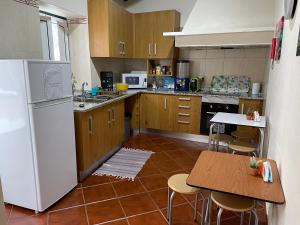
(160, 211)
(47, 220)
(95, 185)
(9, 214)
(120, 202)
(90, 203)
(127, 217)
(85, 208)
(140, 214)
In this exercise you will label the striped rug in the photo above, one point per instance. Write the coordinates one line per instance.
(125, 164)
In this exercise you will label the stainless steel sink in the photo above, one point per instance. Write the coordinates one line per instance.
(95, 99)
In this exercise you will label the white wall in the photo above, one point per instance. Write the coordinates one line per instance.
(183, 6)
(216, 15)
(67, 8)
(20, 35)
(80, 53)
(282, 110)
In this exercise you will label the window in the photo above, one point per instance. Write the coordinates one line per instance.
(55, 38)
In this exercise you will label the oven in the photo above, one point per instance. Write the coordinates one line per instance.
(211, 106)
(135, 80)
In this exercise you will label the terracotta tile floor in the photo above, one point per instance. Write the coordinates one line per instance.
(107, 200)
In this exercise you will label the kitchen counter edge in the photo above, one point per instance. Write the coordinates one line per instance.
(130, 93)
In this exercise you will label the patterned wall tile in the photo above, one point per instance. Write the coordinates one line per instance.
(33, 3)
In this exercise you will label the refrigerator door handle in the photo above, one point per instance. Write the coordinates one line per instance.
(51, 103)
(52, 100)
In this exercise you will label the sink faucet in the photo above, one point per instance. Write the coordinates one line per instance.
(73, 87)
(82, 89)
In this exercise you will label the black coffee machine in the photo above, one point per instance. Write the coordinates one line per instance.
(106, 80)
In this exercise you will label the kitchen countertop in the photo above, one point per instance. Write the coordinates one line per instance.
(90, 106)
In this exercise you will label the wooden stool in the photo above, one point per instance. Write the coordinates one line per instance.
(177, 183)
(233, 203)
(243, 147)
(242, 136)
(214, 138)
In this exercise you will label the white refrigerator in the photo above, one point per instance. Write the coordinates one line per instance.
(37, 141)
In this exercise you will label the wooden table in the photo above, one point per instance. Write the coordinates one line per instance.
(228, 173)
(241, 120)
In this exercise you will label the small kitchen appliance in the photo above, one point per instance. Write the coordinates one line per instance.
(106, 80)
(182, 84)
(183, 69)
(256, 88)
(135, 79)
(195, 84)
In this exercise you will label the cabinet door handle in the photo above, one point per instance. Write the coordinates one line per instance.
(113, 114)
(120, 48)
(183, 122)
(184, 99)
(184, 107)
(90, 125)
(149, 49)
(124, 48)
(184, 114)
(109, 118)
(155, 49)
(166, 104)
(243, 106)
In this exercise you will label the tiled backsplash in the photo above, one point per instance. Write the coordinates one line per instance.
(118, 66)
(251, 62)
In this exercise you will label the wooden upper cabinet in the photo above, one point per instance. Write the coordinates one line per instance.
(149, 42)
(127, 32)
(110, 29)
(115, 32)
(143, 35)
(165, 21)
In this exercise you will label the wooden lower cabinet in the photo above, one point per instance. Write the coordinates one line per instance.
(132, 107)
(97, 133)
(170, 113)
(187, 114)
(249, 105)
(155, 112)
(118, 124)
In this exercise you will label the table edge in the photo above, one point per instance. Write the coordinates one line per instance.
(257, 199)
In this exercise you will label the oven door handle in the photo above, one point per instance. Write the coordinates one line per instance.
(211, 113)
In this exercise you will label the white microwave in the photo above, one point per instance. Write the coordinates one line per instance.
(135, 80)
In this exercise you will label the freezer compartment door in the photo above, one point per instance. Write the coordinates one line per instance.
(47, 80)
(54, 147)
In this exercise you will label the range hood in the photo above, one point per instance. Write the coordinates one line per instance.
(230, 23)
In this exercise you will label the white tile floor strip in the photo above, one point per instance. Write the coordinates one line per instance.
(125, 164)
